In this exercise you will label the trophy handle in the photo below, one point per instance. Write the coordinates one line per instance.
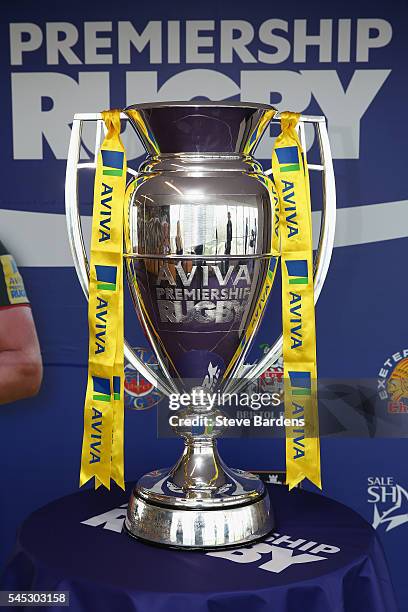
(75, 235)
(326, 238)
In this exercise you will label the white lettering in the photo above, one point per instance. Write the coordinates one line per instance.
(344, 109)
(57, 46)
(303, 40)
(195, 41)
(365, 41)
(112, 520)
(267, 36)
(151, 35)
(18, 45)
(93, 42)
(66, 95)
(231, 43)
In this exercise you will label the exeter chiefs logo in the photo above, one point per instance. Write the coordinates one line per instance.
(393, 382)
(140, 394)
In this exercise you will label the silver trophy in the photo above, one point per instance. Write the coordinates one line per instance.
(197, 238)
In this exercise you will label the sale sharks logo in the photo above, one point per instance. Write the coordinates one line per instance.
(390, 501)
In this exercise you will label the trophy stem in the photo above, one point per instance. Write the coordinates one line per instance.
(200, 502)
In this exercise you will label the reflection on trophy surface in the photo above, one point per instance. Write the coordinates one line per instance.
(199, 306)
(200, 263)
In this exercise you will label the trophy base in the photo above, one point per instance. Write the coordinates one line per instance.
(159, 512)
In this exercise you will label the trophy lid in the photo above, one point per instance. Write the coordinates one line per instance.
(201, 127)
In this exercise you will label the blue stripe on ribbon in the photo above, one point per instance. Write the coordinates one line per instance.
(112, 159)
(297, 267)
(287, 155)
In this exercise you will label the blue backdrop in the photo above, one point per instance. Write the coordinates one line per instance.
(347, 63)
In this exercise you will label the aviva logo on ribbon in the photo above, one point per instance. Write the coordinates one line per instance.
(288, 158)
(102, 388)
(112, 162)
(297, 271)
(106, 277)
(301, 383)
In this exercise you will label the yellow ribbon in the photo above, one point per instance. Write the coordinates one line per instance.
(102, 447)
(291, 179)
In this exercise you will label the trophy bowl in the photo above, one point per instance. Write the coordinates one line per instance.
(200, 258)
